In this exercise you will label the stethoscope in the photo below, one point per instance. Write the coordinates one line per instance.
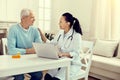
(68, 41)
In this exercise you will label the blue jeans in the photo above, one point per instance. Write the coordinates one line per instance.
(34, 76)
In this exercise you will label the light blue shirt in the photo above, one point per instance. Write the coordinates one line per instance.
(20, 39)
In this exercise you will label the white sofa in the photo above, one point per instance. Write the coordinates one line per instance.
(104, 66)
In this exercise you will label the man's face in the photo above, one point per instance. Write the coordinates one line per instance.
(29, 20)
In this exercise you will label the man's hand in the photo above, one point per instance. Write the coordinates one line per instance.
(30, 51)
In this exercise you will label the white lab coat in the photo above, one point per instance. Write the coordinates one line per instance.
(70, 46)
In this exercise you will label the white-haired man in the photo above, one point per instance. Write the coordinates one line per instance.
(20, 38)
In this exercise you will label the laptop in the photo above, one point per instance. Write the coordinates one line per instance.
(46, 50)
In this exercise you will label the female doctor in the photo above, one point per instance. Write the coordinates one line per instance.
(69, 41)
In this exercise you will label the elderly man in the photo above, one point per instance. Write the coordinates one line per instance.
(20, 38)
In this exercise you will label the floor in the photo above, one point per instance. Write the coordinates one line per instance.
(91, 78)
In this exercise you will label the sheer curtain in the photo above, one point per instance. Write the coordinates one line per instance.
(105, 20)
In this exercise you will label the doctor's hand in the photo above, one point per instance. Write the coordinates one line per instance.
(60, 55)
(64, 55)
(30, 51)
(42, 35)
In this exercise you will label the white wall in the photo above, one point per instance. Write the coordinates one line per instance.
(10, 9)
(3, 7)
(81, 9)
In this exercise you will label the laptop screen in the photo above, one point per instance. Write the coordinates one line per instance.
(46, 50)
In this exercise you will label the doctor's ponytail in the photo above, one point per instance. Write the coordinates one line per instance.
(73, 22)
(76, 26)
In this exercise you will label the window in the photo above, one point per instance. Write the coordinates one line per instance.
(45, 15)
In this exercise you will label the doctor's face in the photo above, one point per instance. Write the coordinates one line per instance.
(63, 23)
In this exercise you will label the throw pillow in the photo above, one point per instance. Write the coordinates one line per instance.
(105, 47)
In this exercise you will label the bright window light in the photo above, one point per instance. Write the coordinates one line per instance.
(44, 15)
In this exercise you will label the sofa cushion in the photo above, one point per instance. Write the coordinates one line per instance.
(118, 55)
(110, 64)
(105, 47)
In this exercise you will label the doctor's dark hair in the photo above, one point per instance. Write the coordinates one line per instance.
(73, 22)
